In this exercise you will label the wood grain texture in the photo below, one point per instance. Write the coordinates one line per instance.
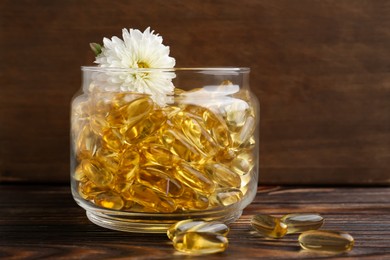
(44, 222)
(319, 68)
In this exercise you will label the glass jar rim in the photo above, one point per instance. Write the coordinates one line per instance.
(193, 69)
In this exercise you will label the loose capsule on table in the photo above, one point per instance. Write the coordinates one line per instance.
(321, 240)
(197, 243)
(269, 226)
(297, 223)
(190, 225)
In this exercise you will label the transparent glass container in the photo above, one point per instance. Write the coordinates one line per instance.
(142, 162)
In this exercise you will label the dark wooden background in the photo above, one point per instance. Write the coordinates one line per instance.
(321, 70)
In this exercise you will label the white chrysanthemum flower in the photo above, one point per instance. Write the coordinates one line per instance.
(143, 52)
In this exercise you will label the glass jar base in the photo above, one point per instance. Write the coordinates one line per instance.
(145, 224)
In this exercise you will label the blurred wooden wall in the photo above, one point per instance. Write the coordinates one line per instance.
(321, 70)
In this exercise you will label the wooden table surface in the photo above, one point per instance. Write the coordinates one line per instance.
(43, 221)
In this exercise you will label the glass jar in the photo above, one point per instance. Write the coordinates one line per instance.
(142, 162)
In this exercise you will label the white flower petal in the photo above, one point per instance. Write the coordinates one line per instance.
(137, 49)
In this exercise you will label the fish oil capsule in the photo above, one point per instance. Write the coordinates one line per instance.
(190, 200)
(121, 184)
(80, 113)
(113, 139)
(131, 113)
(122, 99)
(195, 132)
(166, 205)
(153, 122)
(101, 102)
(197, 243)
(110, 200)
(269, 226)
(87, 143)
(243, 163)
(182, 226)
(142, 195)
(245, 133)
(157, 155)
(190, 225)
(223, 175)
(322, 240)
(96, 173)
(297, 223)
(213, 123)
(99, 124)
(178, 144)
(129, 158)
(195, 179)
(79, 174)
(236, 114)
(228, 197)
(88, 190)
(108, 160)
(160, 181)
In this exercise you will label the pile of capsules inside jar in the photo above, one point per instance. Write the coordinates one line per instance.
(202, 237)
(132, 155)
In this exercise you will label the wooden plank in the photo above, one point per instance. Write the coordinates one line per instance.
(44, 222)
(319, 68)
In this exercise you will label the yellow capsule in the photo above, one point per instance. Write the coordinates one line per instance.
(225, 155)
(87, 143)
(228, 197)
(195, 179)
(195, 132)
(128, 165)
(321, 240)
(96, 173)
(88, 190)
(143, 196)
(131, 113)
(178, 144)
(79, 175)
(212, 123)
(121, 183)
(223, 175)
(80, 113)
(182, 226)
(136, 110)
(101, 102)
(243, 163)
(236, 115)
(190, 200)
(269, 226)
(128, 205)
(171, 110)
(129, 158)
(145, 127)
(108, 160)
(243, 136)
(297, 223)
(122, 99)
(166, 205)
(110, 200)
(99, 124)
(80, 108)
(160, 181)
(157, 155)
(195, 243)
(113, 139)
(245, 180)
(245, 188)
(191, 225)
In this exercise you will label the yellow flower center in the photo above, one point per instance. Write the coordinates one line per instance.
(142, 64)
